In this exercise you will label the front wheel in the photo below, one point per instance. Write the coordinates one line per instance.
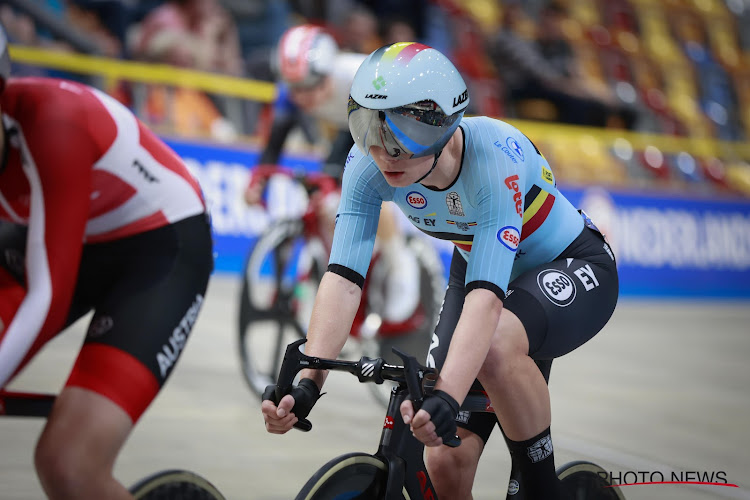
(587, 481)
(175, 485)
(351, 476)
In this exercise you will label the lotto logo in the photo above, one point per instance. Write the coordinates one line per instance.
(510, 237)
(557, 286)
(416, 199)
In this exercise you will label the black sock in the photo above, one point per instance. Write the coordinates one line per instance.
(535, 461)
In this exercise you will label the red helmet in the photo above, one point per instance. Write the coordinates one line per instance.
(305, 55)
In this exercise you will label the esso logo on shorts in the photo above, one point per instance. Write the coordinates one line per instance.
(416, 199)
(557, 287)
(510, 237)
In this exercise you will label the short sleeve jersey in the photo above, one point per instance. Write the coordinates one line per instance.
(503, 212)
(78, 167)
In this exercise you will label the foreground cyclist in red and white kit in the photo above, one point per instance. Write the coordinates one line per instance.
(96, 213)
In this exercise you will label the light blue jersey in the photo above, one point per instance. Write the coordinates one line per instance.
(503, 211)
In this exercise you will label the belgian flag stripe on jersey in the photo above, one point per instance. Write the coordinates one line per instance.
(537, 206)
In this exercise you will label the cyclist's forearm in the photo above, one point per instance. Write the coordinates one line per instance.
(336, 305)
(470, 343)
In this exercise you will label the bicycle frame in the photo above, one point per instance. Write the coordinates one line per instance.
(25, 404)
(398, 448)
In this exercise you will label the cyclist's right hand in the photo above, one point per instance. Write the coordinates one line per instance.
(281, 417)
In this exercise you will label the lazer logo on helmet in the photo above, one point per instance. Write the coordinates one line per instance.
(461, 99)
(376, 96)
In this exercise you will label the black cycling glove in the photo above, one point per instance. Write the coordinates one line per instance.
(305, 395)
(443, 410)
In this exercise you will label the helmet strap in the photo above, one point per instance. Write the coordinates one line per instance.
(434, 164)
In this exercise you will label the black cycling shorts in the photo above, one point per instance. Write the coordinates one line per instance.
(146, 291)
(562, 305)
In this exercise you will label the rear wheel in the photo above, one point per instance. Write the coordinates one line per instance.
(352, 476)
(587, 481)
(175, 485)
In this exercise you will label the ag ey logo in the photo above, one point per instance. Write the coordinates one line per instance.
(378, 83)
(557, 287)
(510, 237)
(515, 147)
(415, 199)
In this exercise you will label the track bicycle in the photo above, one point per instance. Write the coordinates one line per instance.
(280, 280)
(170, 484)
(397, 469)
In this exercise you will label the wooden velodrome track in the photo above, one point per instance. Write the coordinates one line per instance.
(664, 388)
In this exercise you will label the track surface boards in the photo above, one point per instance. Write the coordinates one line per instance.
(663, 388)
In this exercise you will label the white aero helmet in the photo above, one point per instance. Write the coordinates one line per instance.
(407, 98)
(305, 55)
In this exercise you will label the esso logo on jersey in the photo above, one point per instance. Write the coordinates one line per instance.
(510, 237)
(416, 199)
(557, 286)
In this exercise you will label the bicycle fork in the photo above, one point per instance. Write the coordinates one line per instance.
(403, 454)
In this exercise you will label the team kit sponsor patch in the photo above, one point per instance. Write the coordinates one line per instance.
(510, 237)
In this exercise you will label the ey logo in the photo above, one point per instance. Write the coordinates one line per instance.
(378, 83)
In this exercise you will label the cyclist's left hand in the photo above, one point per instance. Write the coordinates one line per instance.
(435, 422)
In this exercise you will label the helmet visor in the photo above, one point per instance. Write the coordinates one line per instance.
(411, 131)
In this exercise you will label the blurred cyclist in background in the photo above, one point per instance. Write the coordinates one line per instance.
(314, 82)
(531, 277)
(96, 213)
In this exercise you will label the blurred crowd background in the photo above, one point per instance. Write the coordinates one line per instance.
(636, 68)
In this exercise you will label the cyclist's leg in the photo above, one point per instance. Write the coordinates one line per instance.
(545, 322)
(12, 291)
(452, 470)
(155, 285)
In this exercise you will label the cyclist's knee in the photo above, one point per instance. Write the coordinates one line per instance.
(64, 474)
(76, 452)
(452, 470)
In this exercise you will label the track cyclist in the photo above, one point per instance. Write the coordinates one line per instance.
(531, 277)
(96, 213)
(315, 76)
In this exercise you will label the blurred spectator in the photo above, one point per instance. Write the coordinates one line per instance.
(397, 29)
(546, 69)
(717, 96)
(113, 17)
(358, 31)
(89, 21)
(196, 34)
(412, 10)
